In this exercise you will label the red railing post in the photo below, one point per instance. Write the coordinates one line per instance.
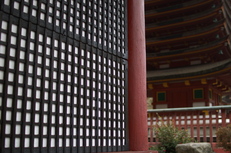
(204, 127)
(229, 116)
(210, 127)
(151, 127)
(191, 125)
(198, 126)
(223, 115)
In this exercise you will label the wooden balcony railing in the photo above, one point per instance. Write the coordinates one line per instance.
(201, 122)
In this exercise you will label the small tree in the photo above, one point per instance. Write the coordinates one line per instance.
(169, 136)
(224, 137)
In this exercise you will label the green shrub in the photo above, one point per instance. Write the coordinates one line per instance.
(224, 137)
(169, 136)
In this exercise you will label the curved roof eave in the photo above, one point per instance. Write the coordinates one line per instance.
(189, 72)
(182, 52)
(201, 3)
(179, 24)
(218, 24)
(184, 19)
(212, 31)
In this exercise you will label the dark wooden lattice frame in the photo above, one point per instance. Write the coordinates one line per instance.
(63, 84)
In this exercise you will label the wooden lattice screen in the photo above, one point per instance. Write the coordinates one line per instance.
(63, 76)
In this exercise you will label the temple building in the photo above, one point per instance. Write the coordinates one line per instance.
(188, 52)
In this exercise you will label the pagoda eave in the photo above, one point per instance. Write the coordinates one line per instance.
(208, 70)
(205, 51)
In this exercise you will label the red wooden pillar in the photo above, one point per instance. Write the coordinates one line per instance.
(138, 128)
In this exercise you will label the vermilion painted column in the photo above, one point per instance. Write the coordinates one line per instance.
(138, 139)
